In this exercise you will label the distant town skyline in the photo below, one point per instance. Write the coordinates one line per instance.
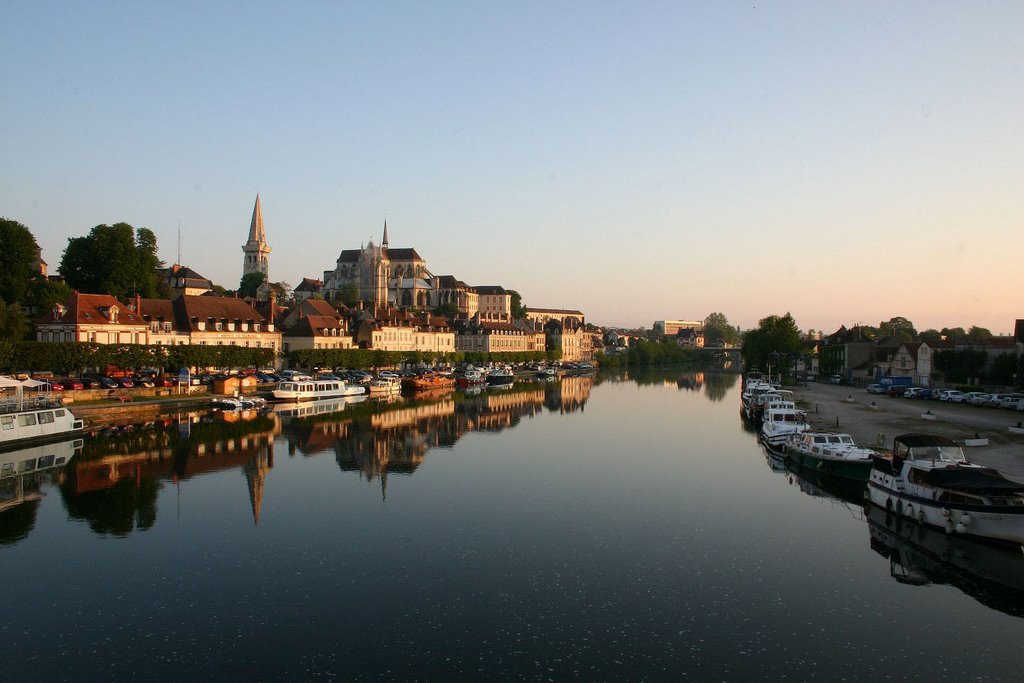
(842, 162)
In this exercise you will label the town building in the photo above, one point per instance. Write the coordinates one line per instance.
(669, 328)
(183, 280)
(97, 318)
(543, 315)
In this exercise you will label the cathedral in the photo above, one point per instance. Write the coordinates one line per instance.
(382, 276)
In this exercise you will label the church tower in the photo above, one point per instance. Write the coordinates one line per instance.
(256, 249)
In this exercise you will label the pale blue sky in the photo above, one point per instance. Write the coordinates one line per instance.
(847, 162)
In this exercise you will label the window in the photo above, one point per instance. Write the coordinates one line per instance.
(27, 420)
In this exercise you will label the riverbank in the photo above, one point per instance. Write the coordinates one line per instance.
(873, 420)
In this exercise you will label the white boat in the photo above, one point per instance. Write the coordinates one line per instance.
(544, 372)
(927, 479)
(311, 390)
(382, 386)
(33, 418)
(834, 454)
(781, 421)
(325, 407)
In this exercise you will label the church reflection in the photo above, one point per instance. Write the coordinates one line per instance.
(114, 484)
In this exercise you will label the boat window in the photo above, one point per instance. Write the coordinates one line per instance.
(46, 461)
(7, 421)
(7, 469)
(59, 413)
(27, 465)
(46, 418)
(820, 439)
(846, 439)
(59, 461)
(27, 420)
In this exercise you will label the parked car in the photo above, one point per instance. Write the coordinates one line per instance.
(104, 382)
(146, 382)
(1011, 400)
(897, 390)
(71, 384)
(924, 394)
(951, 396)
(979, 398)
(937, 394)
(912, 392)
(993, 400)
(876, 389)
(124, 383)
(970, 397)
(49, 385)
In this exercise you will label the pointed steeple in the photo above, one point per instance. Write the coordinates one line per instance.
(256, 249)
(384, 242)
(256, 227)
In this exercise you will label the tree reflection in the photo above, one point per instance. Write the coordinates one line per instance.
(118, 510)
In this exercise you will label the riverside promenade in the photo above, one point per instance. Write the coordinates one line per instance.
(850, 409)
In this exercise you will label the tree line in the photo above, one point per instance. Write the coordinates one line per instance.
(79, 357)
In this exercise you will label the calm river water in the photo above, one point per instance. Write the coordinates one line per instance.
(593, 528)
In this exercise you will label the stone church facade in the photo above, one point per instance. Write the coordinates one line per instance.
(383, 276)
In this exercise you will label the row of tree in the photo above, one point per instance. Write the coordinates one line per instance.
(79, 357)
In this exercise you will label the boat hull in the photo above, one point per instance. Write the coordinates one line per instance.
(1002, 524)
(845, 469)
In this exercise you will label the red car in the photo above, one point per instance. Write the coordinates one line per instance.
(124, 382)
(49, 385)
(72, 384)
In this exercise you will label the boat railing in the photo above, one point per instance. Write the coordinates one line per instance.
(32, 402)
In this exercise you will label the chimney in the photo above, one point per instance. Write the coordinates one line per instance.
(138, 305)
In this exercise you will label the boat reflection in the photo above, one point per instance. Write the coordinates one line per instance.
(919, 556)
(815, 483)
(24, 474)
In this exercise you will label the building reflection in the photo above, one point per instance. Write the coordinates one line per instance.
(114, 484)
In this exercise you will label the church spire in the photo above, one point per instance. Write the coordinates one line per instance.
(384, 242)
(256, 233)
(256, 249)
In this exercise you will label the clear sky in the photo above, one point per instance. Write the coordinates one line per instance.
(844, 161)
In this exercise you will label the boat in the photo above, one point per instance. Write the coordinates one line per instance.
(833, 454)
(309, 390)
(501, 375)
(239, 403)
(927, 479)
(779, 422)
(470, 377)
(325, 407)
(382, 386)
(428, 380)
(545, 372)
(35, 418)
(919, 556)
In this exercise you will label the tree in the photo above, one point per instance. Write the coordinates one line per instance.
(931, 335)
(898, 327)
(18, 253)
(718, 331)
(518, 310)
(43, 293)
(14, 326)
(976, 334)
(776, 341)
(250, 283)
(348, 294)
(953, 334)
(113, 259)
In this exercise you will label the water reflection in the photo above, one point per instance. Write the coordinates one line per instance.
(24, 473)
(920, 556)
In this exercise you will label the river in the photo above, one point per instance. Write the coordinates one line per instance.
(618, 527)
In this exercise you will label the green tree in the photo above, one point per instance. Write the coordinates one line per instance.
(518, 310)
(250, 283)
(18, 251)
(113, 259)
(976, 334)
(718, 331)
(775, 341)
(899, 327)
(348, 295)
(953, 334)
(14, 326)
(43, 293)
(930, 335)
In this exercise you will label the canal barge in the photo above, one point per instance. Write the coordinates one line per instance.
(33, 419)
(315, 389)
